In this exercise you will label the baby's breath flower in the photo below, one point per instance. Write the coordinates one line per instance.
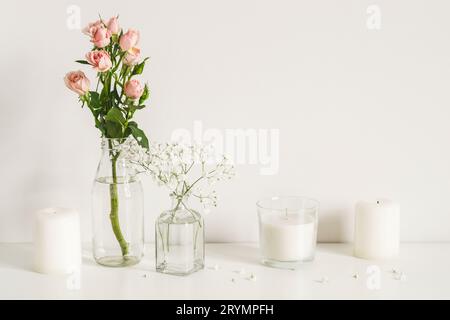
(184, 169)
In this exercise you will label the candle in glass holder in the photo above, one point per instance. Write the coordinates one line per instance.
(57, 245)
(377, 229)
(288, 229)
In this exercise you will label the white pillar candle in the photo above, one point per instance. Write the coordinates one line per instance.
(57, 241)
(288, 237)
(377, 229)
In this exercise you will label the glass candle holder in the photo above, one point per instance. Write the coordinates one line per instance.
(287, 230)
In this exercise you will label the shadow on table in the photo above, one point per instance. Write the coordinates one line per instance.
(238, 252)
(87, 258)
(17, 257)
(341, 249)
(333, 225)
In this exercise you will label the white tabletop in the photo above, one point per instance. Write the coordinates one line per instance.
(422, 273)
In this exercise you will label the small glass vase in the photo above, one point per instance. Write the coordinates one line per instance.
(117, 209)
(180, 245)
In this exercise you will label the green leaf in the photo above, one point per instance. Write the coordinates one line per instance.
(144, 96)
(95, 111)
(95, 99)
(138, 134)
(93, 103)
(82, 61)
(99, 125)
(127, 132)
(103, 96)
(132, 109)
(113, 129)
(115, 115)
(139, 68)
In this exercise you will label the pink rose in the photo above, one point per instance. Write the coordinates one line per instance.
(101, 36)
(113, 25)
(99, 59)
(129, 40)
(133, 89)
(132, 56)
(90, 29)
(77, 82)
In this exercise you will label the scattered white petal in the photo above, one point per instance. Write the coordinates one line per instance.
(252, 277)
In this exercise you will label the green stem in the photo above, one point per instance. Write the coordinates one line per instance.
(114, 215)
(168, 225)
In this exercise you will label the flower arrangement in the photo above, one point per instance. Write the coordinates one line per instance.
(116, 58)
(185, 170)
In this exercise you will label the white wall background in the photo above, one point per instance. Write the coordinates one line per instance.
(361, 113)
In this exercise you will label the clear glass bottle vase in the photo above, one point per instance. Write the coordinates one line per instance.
(180, 245)
(117, 209)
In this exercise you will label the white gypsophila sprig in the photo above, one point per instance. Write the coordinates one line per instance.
(186, 170)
